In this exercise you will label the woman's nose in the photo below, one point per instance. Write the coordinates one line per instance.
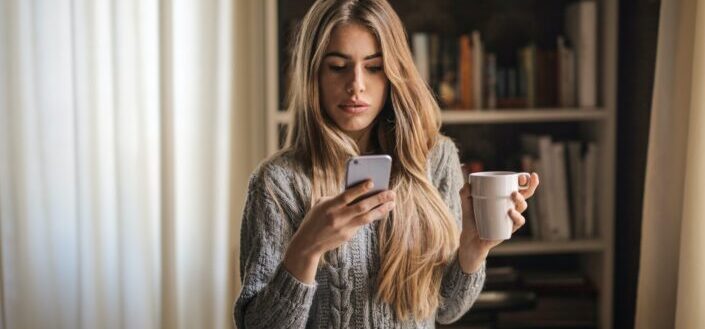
(357, 83)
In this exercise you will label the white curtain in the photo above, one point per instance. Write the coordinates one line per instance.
(120, 179)
(671, 288)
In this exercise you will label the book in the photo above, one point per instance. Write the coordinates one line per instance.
(420, 50)
(502, 277)
(581, 30)
(566, 74)
(553, 312)
(561, 214)
(434, 58)
(509, 88)
(546, 78)
(575, 174)
(540, 148)
(552, 197)
(516, 86)
(527, 62)
(501, 87)
(477, 65)
(558, 283)
(465, 72)
(590, 183)
(491, 81)
(554, 230)
(513, 91)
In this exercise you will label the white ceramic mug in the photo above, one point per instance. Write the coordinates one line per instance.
(492, 199)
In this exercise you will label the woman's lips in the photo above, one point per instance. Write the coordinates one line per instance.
(354, 108)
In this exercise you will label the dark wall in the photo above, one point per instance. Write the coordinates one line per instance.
(638, 30)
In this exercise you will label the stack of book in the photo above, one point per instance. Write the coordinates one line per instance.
(564, 300)
(563, 206)
(464, 75)
(530, 298)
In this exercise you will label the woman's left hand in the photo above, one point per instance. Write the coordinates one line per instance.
(474, 250)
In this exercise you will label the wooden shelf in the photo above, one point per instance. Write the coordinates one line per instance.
(459, 116)
(464, 116)
(532, 247)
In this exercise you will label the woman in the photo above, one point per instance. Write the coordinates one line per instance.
(309, 258)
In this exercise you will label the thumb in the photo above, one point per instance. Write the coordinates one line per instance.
(465, 191)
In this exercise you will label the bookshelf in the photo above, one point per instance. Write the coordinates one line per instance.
(594, 256)
(514, 248)
(502, 116)
(521, 116)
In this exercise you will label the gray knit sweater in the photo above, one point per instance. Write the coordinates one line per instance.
(344, 291)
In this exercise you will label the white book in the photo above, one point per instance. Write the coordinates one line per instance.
(551, 230)
(575, 168)
(560, 193)
(581, 29)
(590, 178)
(420, 49)
(543, 203)
(477, 68)
(531, 144)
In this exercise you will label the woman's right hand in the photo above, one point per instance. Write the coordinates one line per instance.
(331, 222)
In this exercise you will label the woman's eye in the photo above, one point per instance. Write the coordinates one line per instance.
(336, 67)
(375, 68)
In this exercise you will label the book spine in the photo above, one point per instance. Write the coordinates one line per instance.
(491, 81)
(562, 215)
(465, 74)
(420, 48)
(477, 65)
(590, 183)
(581, 28)
(527, 61)
(575, 165)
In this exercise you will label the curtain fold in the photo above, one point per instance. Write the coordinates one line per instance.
(671, 276)
(691, 269)
(117, 171)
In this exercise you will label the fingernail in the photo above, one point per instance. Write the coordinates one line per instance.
(370, 184)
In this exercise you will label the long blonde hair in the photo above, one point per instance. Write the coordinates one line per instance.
(420, 236)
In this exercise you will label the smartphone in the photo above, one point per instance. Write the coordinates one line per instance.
(364, 167)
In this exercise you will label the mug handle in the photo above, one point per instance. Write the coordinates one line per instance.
(528, 180)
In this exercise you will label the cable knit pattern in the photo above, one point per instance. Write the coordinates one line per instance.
(343, 295)
(340, 288)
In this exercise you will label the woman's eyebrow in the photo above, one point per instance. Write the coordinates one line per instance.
(348, 57)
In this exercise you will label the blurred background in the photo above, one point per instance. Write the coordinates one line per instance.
(129, 129)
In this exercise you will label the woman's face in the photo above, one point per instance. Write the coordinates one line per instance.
(352, 79)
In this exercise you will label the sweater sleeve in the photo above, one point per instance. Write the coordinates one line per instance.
(459, 290)
(271, 297)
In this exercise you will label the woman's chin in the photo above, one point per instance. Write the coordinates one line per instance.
(353, 127)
